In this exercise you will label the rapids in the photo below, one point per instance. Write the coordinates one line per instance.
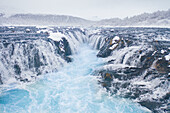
(71, 89)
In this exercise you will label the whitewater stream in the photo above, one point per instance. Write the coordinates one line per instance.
(71, 89)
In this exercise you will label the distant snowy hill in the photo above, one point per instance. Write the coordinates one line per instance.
(159, 18)
(39, 19)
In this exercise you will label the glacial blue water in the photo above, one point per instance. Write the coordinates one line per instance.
(71, 89)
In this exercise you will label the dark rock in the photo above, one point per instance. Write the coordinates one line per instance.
(21, 79)
(6, 44)
(167, 96)
(110, 45)
(17, 69)
(105, 51)
(66, 47)
(150, 74)
(151, 105)
(68, 59)
(122, 73)
(1, 80)
(162, 66)
(37, 62)
(147, 60)
(12, 50)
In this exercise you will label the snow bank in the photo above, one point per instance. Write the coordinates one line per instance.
(56, 36)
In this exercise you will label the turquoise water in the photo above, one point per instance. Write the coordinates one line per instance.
(70, 90)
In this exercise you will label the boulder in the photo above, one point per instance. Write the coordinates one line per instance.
(110, 45)
(161, 66)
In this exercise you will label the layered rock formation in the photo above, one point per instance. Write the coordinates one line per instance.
(137, 65)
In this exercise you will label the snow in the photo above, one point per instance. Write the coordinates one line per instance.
(114, 42)
(134, 26)
(112, 30)
(163, 51)
(38, 26)
(154, 53)
(56, 36)
(82, 29)
(141, 83)
(45, 30)
(113, 46)
(95, 31)
(167, 57)
(11, 27)
(116, 38)
(115, 66)
(28, 30)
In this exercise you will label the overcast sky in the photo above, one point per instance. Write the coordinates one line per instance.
(89, 9)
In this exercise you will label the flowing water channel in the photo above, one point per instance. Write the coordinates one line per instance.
(71, 89)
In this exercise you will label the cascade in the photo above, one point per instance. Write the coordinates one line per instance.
(65, 69)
